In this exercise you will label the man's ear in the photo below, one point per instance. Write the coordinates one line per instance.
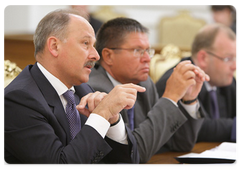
(107, 56)
(52, 44)
(202, 59)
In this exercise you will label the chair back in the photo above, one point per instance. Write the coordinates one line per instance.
(179, 30)
(11, 70)
(105, 13)
(160, 63)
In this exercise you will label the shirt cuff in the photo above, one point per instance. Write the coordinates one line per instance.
(192, 109)
(100, 124)
(121, 135)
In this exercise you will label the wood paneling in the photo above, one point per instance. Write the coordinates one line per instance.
(19, 49)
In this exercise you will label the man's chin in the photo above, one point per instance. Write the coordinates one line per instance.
(226, 83)
(144, 77)
(83, 80)
(141, 79)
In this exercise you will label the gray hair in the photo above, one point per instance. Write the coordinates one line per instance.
(113, 32)
(53, 24)
(206, 37)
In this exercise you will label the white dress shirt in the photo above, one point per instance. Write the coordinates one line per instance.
(209, 87)
(100, 124)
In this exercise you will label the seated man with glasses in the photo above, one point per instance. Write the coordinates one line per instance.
(125, 54)
(214, 51)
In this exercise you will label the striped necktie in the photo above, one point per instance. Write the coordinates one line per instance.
(131, 117)
(214, 104)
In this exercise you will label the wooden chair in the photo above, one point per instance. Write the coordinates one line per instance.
(160, 63)
(105, 13)
(235, 75)
(179, 30)
(11, 70)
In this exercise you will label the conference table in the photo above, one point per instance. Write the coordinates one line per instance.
(169, 157)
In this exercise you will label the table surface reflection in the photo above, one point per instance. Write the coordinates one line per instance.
(169, 157)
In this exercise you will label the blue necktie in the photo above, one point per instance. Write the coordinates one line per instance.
(131, 117)
(214, 104)
(72, 114)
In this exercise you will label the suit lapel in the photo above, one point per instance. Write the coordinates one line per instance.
(204, 97)
(222, 103)
(100, 75)
(51, 97)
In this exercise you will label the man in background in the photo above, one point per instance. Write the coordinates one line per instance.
(84, 12)
(214, 51)
(225, 14)
(125, 54)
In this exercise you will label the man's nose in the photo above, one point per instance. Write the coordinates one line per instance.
(233, 65)
(145, 57)
(94, 54)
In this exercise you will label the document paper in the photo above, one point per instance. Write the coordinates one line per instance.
(224, 153)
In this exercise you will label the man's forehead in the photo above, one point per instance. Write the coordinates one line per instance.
(84, 26)
(136, 37)
(77, 16)
(90, 37)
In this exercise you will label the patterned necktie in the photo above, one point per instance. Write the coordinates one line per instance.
(72, 114)
(131, 117)
(214, 104)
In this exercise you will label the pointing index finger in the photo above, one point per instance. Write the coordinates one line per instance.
(136, 87)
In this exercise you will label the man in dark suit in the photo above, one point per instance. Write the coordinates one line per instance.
(125, 57)
(225, 14)
(214, 51)
(42, 123)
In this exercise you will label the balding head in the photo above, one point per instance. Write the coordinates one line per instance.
(53, 24)
(206, 37)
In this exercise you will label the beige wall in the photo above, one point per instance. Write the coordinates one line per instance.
(24, 18)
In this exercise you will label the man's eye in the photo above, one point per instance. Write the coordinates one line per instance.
(86, 42)
(138, 50)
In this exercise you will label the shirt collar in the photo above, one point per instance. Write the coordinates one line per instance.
(55, 82)
(114, 82)
(209, 87)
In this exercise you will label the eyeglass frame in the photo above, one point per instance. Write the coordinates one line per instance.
(226, 59)
(142, 51)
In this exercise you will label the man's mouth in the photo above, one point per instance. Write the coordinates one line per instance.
(146, 69)
(89, 64)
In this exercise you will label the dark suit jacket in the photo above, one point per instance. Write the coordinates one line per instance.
(96, 24)
(36, 128)
(156, 120)
(212, 130)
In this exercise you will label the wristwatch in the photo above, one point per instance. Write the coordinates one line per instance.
(188, 101)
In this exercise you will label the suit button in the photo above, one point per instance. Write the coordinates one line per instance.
(131, 152)
(101, 153)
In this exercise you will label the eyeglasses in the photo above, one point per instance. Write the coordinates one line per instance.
(137, 52)
(226, 59)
